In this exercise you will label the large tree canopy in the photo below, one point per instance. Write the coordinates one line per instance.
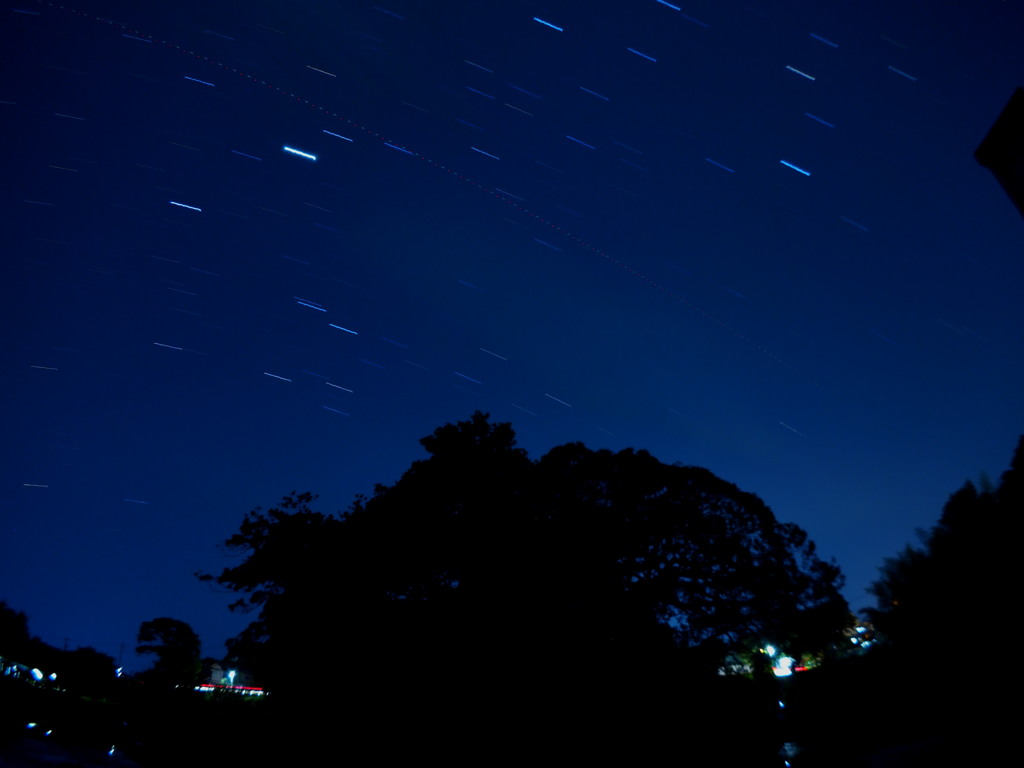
(479, 554)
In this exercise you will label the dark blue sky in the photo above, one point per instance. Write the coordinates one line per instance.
(748, 236)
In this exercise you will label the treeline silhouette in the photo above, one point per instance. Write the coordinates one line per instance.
(74, 708)
(587, 605)
(46, 689)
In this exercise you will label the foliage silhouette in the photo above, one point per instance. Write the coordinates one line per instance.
(485, 568)
(82, 670)
(963, 565)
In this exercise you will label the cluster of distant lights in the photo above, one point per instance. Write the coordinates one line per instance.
(861, 642)
(244, 690)
(782, 666)
(38, 675)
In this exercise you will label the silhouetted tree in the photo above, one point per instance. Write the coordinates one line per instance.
(482, 564)
(290, 576)
(962, 570)
(176, 647)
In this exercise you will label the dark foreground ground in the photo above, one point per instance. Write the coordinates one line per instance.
(857, 713)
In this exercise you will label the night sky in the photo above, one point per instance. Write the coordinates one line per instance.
(749, 236)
